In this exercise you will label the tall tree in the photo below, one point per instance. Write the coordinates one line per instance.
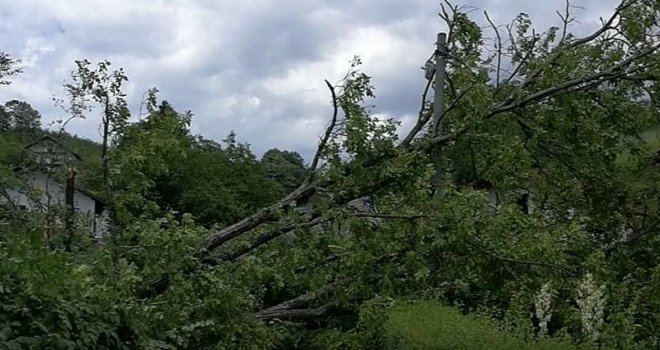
(103, 87)
(21, 116)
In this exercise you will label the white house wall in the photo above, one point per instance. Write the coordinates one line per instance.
(46, 191)
(49, 191)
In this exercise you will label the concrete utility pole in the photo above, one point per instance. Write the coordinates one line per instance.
(439, 107)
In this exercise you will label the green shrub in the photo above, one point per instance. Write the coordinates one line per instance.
(430, 325)
(47, 301)
(53, 299)
(334, 339)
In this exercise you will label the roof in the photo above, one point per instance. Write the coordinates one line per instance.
(91, 195)
(50, 138)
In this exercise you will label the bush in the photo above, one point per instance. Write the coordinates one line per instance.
(53, 299)
(50, 302)
(430, 325)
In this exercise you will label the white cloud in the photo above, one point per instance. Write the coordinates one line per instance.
(35, 49)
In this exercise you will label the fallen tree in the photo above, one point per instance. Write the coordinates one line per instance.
(535, 203)
(533, 83)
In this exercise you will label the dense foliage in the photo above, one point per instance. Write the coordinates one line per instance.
(544, 219)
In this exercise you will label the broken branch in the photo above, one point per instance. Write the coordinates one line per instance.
(328, 130)
(499, 49)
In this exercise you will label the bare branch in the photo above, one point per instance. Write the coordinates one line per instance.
(499, 49)
(269, 236)
(448, 17)
(512, 40)
(388, 216)
(446, 138)
(328, 130)
(262, 216)
(605, 27)
(521, 262)
(566, 20)
(522, 62)
(296, 308)
(293, 314)
(426, 113)
(64, 123)
(422, 118)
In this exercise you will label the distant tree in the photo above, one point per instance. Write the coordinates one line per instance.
(247, 176)
(4, 119)
(8, 68)
(158, 166)
(222, 182)
(20, 116)
(285, 167)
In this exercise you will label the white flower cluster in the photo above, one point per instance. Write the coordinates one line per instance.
(591, 302)
(543, 307)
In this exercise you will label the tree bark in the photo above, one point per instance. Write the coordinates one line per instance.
(298, 308)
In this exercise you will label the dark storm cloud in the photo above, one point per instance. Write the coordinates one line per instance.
(256, 67)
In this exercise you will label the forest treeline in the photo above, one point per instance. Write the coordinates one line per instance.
(216, 182)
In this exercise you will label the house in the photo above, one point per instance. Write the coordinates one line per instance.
(47, 164)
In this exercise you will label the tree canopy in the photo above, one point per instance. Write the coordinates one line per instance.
(19, 116)
(8, 67)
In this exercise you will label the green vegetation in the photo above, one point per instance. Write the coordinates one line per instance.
(160, 164)
(533, 212)
(429, 325)
(652, 137)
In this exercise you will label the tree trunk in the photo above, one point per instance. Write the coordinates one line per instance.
(70, 207)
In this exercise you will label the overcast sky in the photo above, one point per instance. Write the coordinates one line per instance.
(254, 66)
